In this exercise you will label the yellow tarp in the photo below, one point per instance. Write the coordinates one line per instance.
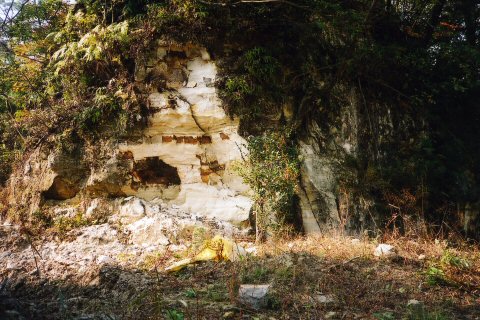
(216, 249)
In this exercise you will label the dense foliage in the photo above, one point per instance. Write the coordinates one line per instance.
(67, 71)
(272, 171)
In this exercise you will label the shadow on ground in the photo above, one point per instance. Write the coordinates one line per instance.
(303, 286)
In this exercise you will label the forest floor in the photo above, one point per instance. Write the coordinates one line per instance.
(315, 277)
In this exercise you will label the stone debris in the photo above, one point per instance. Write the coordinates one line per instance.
(384, 250)
(324, 298)
(132, 210)
(153, 228)
(330, 315)
(413, 302)
(254, 295)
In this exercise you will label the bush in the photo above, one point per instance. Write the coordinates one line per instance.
(272, 170)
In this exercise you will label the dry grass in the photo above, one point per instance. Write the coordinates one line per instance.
(362, 286)
(303, 272)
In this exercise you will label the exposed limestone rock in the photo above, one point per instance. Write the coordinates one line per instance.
(190, 133)
(317, 198)
(61, 189)
(131, 210)
(384, 250)
(254, 295)
(46, 176)
(182, 157)
(327, 198)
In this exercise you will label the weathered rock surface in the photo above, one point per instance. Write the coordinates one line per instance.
(385, 250)
(183, 157)
(190, 132)
(254, 295)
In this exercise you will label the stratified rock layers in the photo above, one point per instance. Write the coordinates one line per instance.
(190, 133)
(183, 158)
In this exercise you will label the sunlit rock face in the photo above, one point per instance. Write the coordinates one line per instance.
(186, 154)
(183, 159)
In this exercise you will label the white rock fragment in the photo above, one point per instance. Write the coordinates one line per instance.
(324, 298)
(422, 257)
(132, 210)
(148, 231)
(254, 295)
(413, 302)
(92, 208)
(384, 250)
(12, 266)
(104, 259)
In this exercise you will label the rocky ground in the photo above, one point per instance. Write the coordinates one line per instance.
(115, 270)
(94, 271)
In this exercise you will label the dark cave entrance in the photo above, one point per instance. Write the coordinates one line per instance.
(153, 170)
(61, 189)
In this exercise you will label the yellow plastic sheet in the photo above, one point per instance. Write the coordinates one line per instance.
(217, 249)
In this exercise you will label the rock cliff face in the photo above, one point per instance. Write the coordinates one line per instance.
(190, 143)
(331, 140)
(183, 157)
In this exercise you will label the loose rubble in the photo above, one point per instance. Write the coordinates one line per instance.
(254, 295)
(100, 254)
(384, 250)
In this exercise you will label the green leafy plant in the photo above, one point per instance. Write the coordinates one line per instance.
(174, 315)
(435, 276)
(64, 224)
(271, 170)
(253, 87)
(450, 259)
(254, 274)
(190, 293)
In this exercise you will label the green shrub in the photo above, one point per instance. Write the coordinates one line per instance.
(64, 224)
(435, 276)
(174, 315)
(271, 170)
(253, 87)
(450, 259)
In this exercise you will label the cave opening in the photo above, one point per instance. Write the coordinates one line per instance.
(61, 189)
(153, 170)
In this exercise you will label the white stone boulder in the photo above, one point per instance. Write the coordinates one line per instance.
(148, 231)
(254, 295)
(384, 250)
(132, 209)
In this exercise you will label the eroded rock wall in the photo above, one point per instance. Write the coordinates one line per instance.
(190, 133)
(183, 157)
(329, 185)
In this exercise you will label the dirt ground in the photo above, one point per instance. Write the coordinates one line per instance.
(323, 277)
